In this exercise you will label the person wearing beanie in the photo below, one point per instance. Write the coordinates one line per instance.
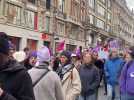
(90, 78)
(15, 82)
(127, 77)
(70, 77)
(31, 60)
(46, 83)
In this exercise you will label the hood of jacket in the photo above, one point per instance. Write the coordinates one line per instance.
(11, 66)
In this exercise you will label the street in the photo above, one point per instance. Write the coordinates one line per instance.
(101, 95)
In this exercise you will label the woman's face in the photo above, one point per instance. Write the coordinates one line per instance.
(32, 61)
(63, 59)
(74, 59)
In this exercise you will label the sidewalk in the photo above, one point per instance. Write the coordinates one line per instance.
(101, 95)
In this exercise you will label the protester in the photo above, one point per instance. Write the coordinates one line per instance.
(113, 68)
(76, 61)
(70, 77)
(99, 63)
(90, 78)
(46, 83)
(31, 60)
(56, 64)
(127, 78)
(15, 82)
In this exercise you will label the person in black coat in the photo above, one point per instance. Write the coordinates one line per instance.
(90, 78)
(15, 82)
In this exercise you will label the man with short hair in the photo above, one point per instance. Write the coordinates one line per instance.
(15, 82)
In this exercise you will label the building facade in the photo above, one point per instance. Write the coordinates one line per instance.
(123, 23)
(31, 23)
(69, 22)
(99, 18)
(18, 18)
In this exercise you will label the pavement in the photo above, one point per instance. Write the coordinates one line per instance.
(101, 95)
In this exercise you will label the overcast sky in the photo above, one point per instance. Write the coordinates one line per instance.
(130, 3)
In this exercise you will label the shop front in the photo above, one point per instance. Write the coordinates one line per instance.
(32, 44)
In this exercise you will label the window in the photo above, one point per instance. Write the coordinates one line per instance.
(91, 19)
(47, 24)
(101, 10)
(13, 13)
(32, 1)
(48, 4)
(108, 28)
(61, 28)
(109, 3)
(100, 24)
(32, 44)
(15, 41)
(76, 11)
(109, 16)
(83, 11)
(103, 1)
(41, 21)
(81, 35)
(61, 5)
(36, 22)
(92, 3)
(29, 18)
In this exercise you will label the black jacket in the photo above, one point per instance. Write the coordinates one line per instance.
(15, 82)
(90, 79)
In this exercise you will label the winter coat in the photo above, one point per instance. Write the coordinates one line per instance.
(127, 79)
(90, 79)
(100, 65)
(71, 84)
(113, 70)
(49, 87)
(16, 82)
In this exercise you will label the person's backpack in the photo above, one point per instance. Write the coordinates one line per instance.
(38, 80)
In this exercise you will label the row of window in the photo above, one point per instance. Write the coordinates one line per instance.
(103, 12)
(99, 23)
(27, 18)
(75, 33)
(92, 3)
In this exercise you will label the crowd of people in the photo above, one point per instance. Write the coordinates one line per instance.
(37, 75)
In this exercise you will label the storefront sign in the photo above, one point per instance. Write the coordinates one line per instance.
(45, 36)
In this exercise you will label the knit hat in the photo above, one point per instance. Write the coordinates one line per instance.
(66, 54)
(43, 55)
(4, 44)
(19, 56)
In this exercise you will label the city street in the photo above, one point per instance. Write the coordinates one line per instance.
(63, 49)
(101, 95)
